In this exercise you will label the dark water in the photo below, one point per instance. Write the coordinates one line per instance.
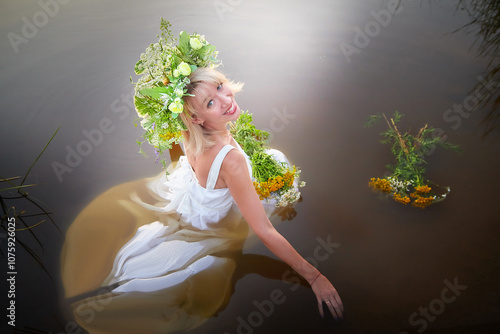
(391, 263)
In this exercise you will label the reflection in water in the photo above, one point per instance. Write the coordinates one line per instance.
(485, 19)
(191, 293)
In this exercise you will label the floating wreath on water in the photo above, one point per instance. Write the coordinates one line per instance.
(407, 183)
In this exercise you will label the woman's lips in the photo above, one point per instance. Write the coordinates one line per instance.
(231, 110)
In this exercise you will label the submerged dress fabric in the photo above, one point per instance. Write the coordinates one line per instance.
(171, 275)
(142, 260)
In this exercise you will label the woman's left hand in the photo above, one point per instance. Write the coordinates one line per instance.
(325, 292)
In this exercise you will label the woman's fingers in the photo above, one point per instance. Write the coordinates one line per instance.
(335, 308)
(320, 307)
(339, 302)
(326, 293)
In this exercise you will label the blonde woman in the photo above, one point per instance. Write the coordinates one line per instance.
(160, 245)
(217, 174)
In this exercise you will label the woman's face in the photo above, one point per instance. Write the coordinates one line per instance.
(214, 105)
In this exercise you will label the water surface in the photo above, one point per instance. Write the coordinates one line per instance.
(390, 260)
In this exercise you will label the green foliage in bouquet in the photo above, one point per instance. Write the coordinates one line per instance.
(273, 179)
(407, 183)
(250, 138)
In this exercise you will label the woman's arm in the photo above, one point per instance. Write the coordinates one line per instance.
(235, 174)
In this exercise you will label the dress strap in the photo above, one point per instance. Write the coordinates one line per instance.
(213, 174)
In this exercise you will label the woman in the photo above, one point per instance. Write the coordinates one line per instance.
(210, 106)
(158, 242)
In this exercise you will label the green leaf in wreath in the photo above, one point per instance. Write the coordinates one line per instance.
(139, 69)
(207, 49)
(184, 42)
(153, 92)
(141, 106)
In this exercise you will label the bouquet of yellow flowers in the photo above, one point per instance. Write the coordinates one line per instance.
(274, 180)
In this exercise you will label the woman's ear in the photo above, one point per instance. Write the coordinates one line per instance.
(196, 120)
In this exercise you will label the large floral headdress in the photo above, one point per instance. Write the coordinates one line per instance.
(165, 68)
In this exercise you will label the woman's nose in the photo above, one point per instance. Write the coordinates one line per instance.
(226, 99)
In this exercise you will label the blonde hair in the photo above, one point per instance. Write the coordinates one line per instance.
(197, 138)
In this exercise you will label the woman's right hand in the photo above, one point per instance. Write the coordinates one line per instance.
(325, 292)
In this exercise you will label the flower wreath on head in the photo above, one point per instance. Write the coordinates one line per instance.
(165, 68)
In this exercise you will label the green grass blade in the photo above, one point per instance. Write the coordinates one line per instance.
(34, 162)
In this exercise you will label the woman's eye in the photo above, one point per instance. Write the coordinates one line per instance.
(210, 103)
(219, 87)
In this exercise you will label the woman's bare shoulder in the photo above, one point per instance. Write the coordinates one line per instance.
(204, 159)
(202, 162)
(234, 164)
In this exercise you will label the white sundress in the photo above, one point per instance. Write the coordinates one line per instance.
(143, 259)
(169, 278)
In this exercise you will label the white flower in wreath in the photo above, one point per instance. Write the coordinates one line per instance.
(184, 69)
(176, 107)
(179, 92)
(195, 43)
